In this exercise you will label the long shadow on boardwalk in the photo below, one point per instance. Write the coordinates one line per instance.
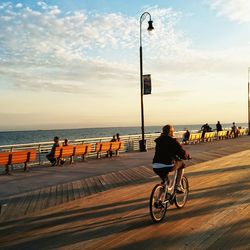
(70, 226)
(233, 241)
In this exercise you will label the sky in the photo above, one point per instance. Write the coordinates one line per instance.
(75, 64)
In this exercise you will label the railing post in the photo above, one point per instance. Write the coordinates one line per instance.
(39, 154)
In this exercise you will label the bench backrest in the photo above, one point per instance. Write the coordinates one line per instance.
(242, 131)
(67, 151)
(72, 150)
(222, 133)
(209, 135)
(25, 156)
(195, 136)
(58, 151)
(116, 145)
(4, 158)
(82, 149)
(102, 146)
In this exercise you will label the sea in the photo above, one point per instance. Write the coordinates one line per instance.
(35, 136)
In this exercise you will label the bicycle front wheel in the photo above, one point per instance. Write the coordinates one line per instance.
(157, 206)
(181, 198)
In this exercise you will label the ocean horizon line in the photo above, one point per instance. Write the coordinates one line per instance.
(108, 127)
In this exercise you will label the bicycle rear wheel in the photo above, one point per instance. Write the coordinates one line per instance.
(181, 198)
(157, 206)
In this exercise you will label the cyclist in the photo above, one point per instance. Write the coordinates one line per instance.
(169, 155)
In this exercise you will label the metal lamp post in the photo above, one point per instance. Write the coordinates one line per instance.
(248, 102)
(150, 28)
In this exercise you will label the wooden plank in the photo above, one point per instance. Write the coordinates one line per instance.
(24, 204)
(76, 190)
(105, 185)
(4, 158)
(81, 189)
(85, 187)
(108, 182)
(65, 193)
(112, 179)
(71, 196)
(52, 197)
(97, 184)
(59, 194)
(122, 178)
(32, 202)
(45, 198)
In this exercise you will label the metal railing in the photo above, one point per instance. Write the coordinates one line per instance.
(131, 144)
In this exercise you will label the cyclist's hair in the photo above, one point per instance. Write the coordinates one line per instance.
(166, 129)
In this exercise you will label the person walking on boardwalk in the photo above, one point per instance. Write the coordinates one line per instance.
(205, 128)
(218, 126)
(168, 154)
(234, 131)
(51, 155)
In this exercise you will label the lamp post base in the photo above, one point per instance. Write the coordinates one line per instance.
(143, 146)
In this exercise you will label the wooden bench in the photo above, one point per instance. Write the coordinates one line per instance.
(71, 151)
(18, 157)
(194, 138)
(222, 134)
(242, 131)
(209, 136)
(108, 147)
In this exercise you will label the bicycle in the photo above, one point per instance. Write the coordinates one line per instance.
(164, 194)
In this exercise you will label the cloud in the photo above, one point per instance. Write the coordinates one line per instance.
(234, 10)
(74, 52)
(46, 47)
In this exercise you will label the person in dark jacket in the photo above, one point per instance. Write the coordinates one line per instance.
(169, 155)
(218, 127)
(50, 156)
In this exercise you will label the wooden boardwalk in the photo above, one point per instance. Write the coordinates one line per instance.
(109, 211)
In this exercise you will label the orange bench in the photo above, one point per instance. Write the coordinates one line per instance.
(108, 147)
(71, 151)
(18, 157)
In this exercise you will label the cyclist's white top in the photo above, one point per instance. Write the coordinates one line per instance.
(161, 165)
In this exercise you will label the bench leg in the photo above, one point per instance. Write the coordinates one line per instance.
(57, 161)
(98, 155)
(7, 170)
(71, 159)
(26, 168)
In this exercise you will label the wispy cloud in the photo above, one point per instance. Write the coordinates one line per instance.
(234, 10)
(44, 48)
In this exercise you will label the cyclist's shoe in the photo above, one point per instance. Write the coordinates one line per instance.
(179, 189)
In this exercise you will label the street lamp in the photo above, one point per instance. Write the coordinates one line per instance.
(150, 28)
(248, 102)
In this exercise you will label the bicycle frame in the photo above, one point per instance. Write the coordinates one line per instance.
(164, 194)
(169, 188)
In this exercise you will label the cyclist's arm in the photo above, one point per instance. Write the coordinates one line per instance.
(181, 152)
